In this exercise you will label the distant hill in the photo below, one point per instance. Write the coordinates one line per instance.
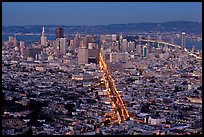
(188, 26)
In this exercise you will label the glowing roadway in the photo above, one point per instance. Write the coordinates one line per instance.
(117, 103)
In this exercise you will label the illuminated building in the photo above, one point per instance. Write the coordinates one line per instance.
(11, 38)
(62, 46)
(114, 36)
(124, 47)
(120, 39)
(82, 55)
(43, 38)
(131, 46)
(113, 57)
(59, 33)
(144, 51)
(21, 48)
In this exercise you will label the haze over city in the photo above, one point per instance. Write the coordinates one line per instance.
(98, 13)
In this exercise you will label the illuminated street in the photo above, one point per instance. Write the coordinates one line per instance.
(116, 101)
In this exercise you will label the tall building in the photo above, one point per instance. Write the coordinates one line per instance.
(138, 50)
(62, 46)
(120, 36)
(131, 46)
(11, 38)
(83, 55)
(93, 55)
(103, 43)
(117, 45)
(21, 48)
(183, 40)
(124, 47)
(85, 41)
(114, 37)
(76, 42)
(123, 57)
(52, 43)
(108, 38)
(91, 38)
(43, 38)
(59, 33)
(14, 42)
(144, 51)
(114, 57)
(149, 38)
(57, 44)
(102, 38)
(31, 52)
(120, 40)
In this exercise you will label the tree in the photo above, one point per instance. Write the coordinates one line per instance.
(196, 92)
(30, 131)
(157, 114)
(177, 89)
(106, 122)
(35, 105)
(145, 108)
(180, 116)
(199, 88)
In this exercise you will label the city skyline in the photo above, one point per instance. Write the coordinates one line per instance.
(84, 78)
(115, 86)
(98, 13)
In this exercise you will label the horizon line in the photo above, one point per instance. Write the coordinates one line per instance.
(98, 24)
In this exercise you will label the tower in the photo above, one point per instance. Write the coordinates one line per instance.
(148, 38)
(59, 33)
(131, 46)
(120, 40)
(124, 47)
(183, 40)
(114, 37)
(43, 38)
(62, 46)
(138, 49)
(60, 41)
(83, 55)
(144, 51)
(15, 42)
(21, 48)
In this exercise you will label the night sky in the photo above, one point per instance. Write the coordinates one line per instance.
(98, 13)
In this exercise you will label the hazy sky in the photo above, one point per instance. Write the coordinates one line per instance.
(97, 13)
